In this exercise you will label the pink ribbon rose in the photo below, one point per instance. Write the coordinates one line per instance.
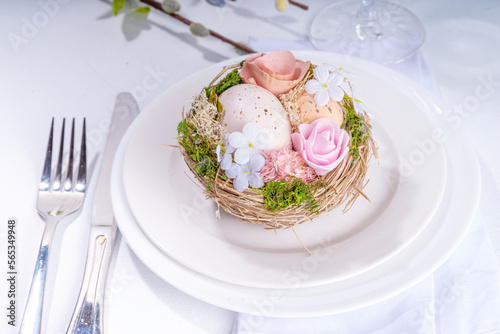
(322, 144)
(278, 71)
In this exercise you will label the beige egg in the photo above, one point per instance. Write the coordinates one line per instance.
(311, 112)
(251, 103)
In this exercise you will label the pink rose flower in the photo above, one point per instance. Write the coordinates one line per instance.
(278, 71)
(322, 144)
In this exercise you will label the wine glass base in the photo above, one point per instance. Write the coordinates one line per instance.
(395, 36)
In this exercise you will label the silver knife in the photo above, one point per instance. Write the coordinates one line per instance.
(88, 315)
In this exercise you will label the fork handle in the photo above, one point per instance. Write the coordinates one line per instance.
(88, 315)
(32, 317)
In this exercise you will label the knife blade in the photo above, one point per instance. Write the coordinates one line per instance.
(87, 316)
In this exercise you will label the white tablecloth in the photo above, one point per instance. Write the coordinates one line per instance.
(71, 58)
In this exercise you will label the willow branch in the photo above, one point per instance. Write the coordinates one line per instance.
(295, 3)
(298, 4)
(186, 21)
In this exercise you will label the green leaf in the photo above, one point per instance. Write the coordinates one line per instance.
(117, 5)
(143, 10)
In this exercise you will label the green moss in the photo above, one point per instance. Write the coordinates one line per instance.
(358, 127)
(279, 195)
(213, 92)
(214, 99)
(232, 79)
(198, 149)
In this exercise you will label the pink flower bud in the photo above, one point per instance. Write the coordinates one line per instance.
(278, 71)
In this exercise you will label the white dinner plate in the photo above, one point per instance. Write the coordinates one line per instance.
(405, 189)
(428, 249)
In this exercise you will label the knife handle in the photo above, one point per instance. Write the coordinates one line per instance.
(88, 314)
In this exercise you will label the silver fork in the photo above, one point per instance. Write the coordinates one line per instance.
(56, 200)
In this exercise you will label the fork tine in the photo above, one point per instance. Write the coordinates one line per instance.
(57, 181)
(81, 181)
(52, 207)
(69, 175)
(45, 182)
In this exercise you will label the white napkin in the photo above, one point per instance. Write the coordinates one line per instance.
(462, 296)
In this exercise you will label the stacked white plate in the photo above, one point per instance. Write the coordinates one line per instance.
(415, 220)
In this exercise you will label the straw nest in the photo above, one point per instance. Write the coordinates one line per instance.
(343, 185)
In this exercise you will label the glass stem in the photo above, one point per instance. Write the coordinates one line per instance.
(367, 21)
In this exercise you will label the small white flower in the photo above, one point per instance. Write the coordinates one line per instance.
(226, 162)
(224, 156)
(218, 153)
(325, 86)
(357, 104)
(248, 143)
(247, 174)
(345, 74)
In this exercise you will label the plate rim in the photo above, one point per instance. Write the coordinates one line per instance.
(122, 221)
(347, 260)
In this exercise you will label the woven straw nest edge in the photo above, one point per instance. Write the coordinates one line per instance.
(344, 184)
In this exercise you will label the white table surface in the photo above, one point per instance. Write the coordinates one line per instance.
(70, 58)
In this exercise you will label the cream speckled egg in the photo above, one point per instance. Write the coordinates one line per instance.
(250, 103)
(311, 112)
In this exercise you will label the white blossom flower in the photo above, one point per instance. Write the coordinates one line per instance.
(248, 143)
(224, 156)
(357, 104)
(325, 86)
(345, 74)
(247, 174)
(218, 153)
